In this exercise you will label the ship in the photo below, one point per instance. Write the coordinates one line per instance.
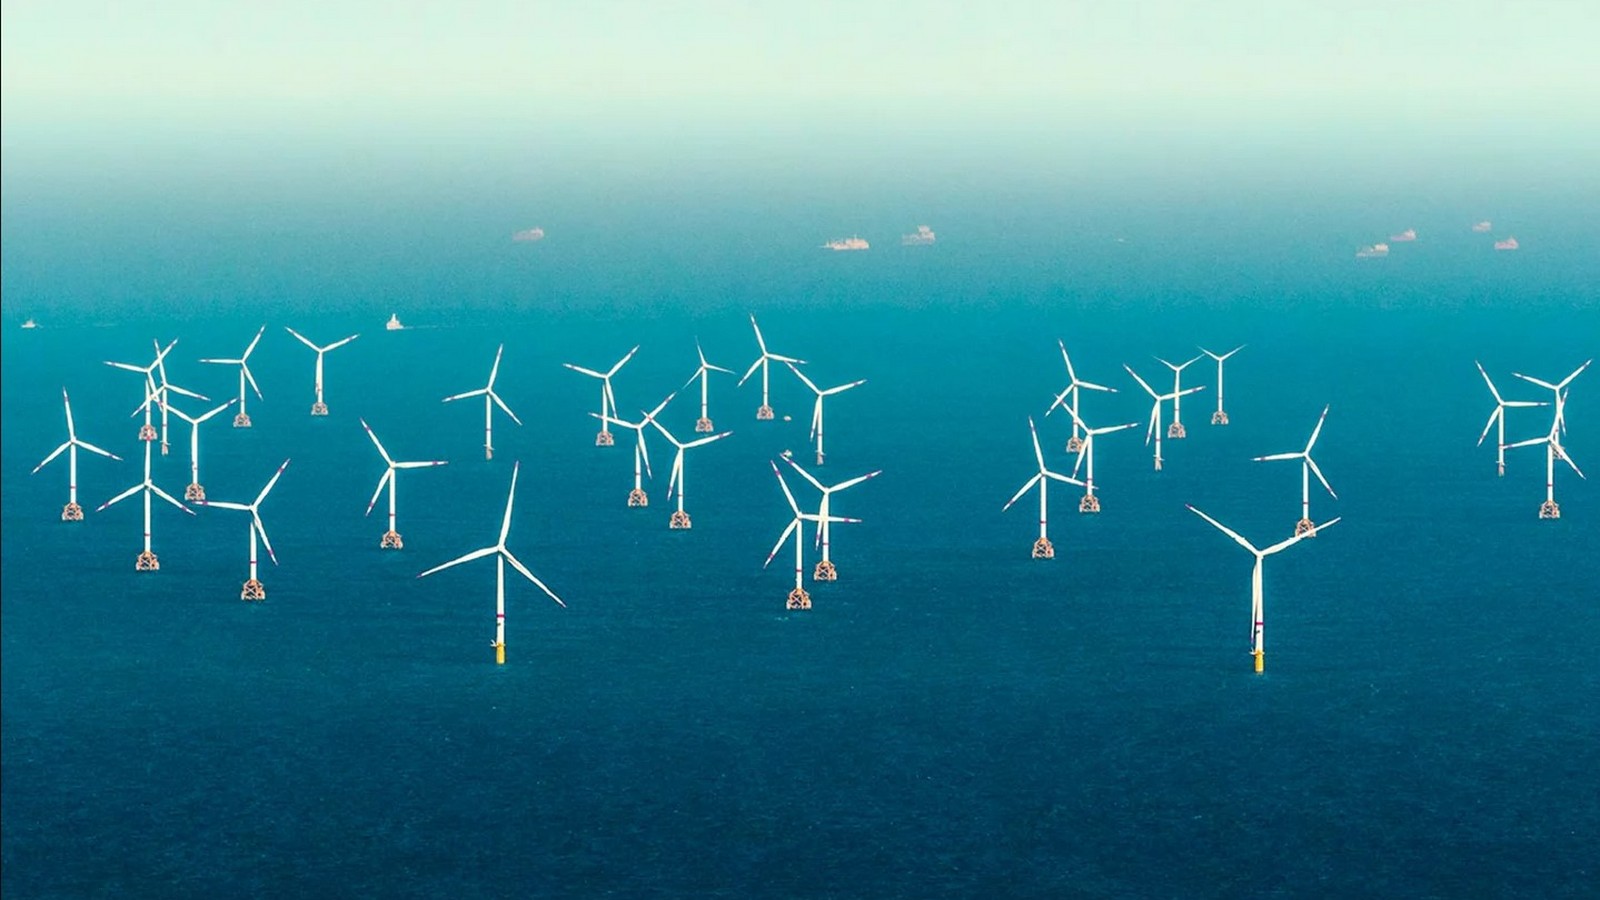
(849, 243)
(30, 324)
(1410, 234)
(394, 323)
(531, 234)
(1509, 243)
(1481, 227)
(923, 235)
(1373, 251)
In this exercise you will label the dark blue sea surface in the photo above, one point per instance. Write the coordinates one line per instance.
(951, 719)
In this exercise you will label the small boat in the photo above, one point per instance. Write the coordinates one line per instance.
(1373, 251)
(530, 234)
(1410, 234)
(394, 323)
(849, 243)
(923, 235)
(1481, 227)
(30, 324)
(1509, 243)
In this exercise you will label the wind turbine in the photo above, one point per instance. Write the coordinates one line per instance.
(1042, 548)
(1154, 431)
(798, 598)
(1499, 417)
(680, 519)
(147, 431)
(1560, 389)
(764, 411)
(608, 400)
(641, 453)
(703, 424)
(391, 538)
(1220, 417)
(253, 588)
(1068, 398)
(502, 556)
(195, 490)
(1549, 509)
(489, 397)
(1176, 431)
(816, 410)
(1305, 527)
(241, 419)
(147, 561)
(319, 408)
(72, 512)
(1257, 619)
(1090, 503)
(825, 570)
(163, 394)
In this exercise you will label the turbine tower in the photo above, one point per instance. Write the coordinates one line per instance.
(798, 598)
(147, 431)
(703, 424)
(147, 561)
(608, 400)
(319, 408)
(1154, 431)
(1498, 417)
(490, 401)
(1549, 509)
(1042, 548)
(1176, 431)
(72, 512)
(825, 570)
(1090, 503)
(1305, 527)
(641, 453)
(1220, 417)
(1068, 398)
(241, 419)
(816, 410)
(391, 538)
(195, 490)
(680, 519)
(253, 588)
(764, 411)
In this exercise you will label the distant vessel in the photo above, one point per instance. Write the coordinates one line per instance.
(394, 323)
(1509, 243)
(531, 234)
(1373, 251)
(1410, 234)
(30, 324)
(849, 243)
(1483, 226)
(924, 235)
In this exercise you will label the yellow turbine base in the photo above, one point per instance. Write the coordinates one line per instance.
(1261, 660)
(147, 433)
(1089, 503)
(499, 654)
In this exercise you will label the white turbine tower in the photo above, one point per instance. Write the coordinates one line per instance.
(72, 512)
(1220, 417)
(816, 409)
(1068, 398)
(608, 400)
(1549, 509)
(147, 431)
(1176, 431)
(253, 588)
(1090, 503)
(1042, 548)
(1498, 417)
(195, 490)
(641, 452)
(680, 519)
(490, 401)
(147, 561)
(798, 598)
(1305, 527)
(319, 408)
(1560, 390)
(391, 538)
(764, 411)
(241, 419)
(1154, 430)
(825, 570)
(502, 556)
(1257, 617)
(703, 424)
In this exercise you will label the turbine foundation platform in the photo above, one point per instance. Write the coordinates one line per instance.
(679, 520)
(1500, 469)
(821, 458)
(1043, 549)
(319, 408)
(1305, 527)
(605, 439)
(390, 541)
(72, 512)
(147, 562)
(637, 498)
(703, 425)
(488, 453)
(1261, 660)
(1089, 503)
(798, 599)
(147, 433)
(164, 448)
(825, 571)
(194, 491)
(764, 413)
(1074, 444)
(1219, 418)
(1549, 510)
(253, 590)
(1158, 464)
(1176, 432)
(499, 652)
(241, 421)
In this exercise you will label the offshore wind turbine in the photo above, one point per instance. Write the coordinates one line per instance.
(1154, 430)
(1549, 509)
(816, 410)
(1257, 617)
(1305, 527)
(825, 570)
(1220, 417)
(1499, 417)
(253, 588)
(147, 431)
(490, 401)
(703, 424)
(1090, 503)
(146, 561)
(391, 538)
(195, 490)
(1042, 548)
(72, 512)
(608, 400)
(241, 419)
(680, 519)
(163, 394)
(1176, 431)
(319, 408)
(641, 452)
(1068, 398)
(1560, 390)
(764, 411)
(502, 556)
(798, 598)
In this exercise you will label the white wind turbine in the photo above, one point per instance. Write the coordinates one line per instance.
(608, 400)
(72, 512)
(703, 424)
(1042, 548)
(502, 556)
(1220, 417)
(680, 519)
(241, 419)
(816, 410)
(1068, 398)
(1305, 527)
(319, 408)
(195, 490)
(1549, 509)
(798, 598)
(391, 538)
(1499, 417)
(825, 570)
(641, 452)
(147, 431)
(490, 400)
(253, 588)
(1257, 618)
(147, 561)
(1560, 390)
(1090, 503)
(1176, 431)
(163, 394)
(764, 411)
(1154, 431)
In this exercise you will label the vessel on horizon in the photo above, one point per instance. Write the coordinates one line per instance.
(1373, 251)
(923, 235)
(1509, 243)
(529, 234)
(1410, 234)
(394, 323)
(1481, 227)
(30, 324)
(850, 243)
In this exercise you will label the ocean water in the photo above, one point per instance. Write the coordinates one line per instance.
(951, 719)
